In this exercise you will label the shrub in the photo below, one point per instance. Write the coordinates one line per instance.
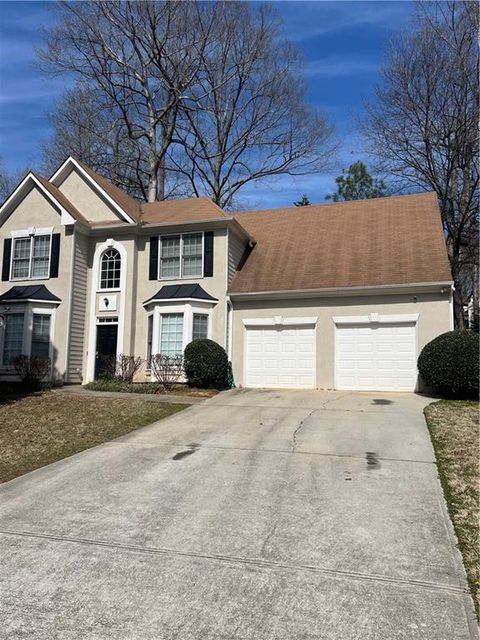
(449, 363)
(167, 369)
(206, 364)
(32, 370)
(127, 367)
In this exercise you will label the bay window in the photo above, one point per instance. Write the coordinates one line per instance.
(170, 327)
(12, 337)
(40, 336)
(181, 256)
(199, 326)
(26, 331)
(31, 257)
(171, 334)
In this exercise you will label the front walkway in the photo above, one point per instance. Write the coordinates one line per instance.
(152, 397)
(257, 515)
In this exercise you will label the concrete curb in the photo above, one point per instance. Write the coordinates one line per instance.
(122, 395)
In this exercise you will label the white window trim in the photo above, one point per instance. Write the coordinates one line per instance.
(92, 335)
(29, 310)
(30, 234)
(180, 276)
(376, 318)
(187, 310)
(99, 279)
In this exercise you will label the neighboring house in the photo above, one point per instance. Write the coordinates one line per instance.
(331, 296)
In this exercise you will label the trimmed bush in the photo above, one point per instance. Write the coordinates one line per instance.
(449, 363)
(206, 364)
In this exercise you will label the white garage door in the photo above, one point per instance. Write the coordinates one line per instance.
(282, 357)
(376, 357)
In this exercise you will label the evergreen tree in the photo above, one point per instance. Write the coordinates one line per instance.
(356, 183)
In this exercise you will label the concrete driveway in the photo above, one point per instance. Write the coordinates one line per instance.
(262, 515)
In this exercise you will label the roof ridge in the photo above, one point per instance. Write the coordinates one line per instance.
(305, 208)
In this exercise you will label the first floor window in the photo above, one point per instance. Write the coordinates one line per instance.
(41, 336)
(31, 257)
(13, 337)
(171, 334)
(149, 339)
(200, 326)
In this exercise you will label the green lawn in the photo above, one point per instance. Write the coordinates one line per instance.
(38, 429)
(454, 429)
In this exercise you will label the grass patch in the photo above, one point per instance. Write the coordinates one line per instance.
(110, 384)
(41, 428)
(454, 429)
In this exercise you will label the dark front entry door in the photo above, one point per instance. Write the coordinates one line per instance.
(106, 349)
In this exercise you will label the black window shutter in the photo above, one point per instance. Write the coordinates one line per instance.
(208, 254)
(7, 252)
(55, 255)
(153, 267)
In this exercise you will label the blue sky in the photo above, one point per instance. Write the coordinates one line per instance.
(342, 43)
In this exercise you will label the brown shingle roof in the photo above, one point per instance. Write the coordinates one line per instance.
(61, 199)
(395, 240)
(124, 201)
(187, 210)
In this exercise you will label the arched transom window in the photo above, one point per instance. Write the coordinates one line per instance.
(110, 270)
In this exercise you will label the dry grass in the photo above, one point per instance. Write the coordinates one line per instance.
(454, 429)
(38, 429)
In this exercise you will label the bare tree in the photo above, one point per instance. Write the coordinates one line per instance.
(142, 57)
(202, 97)
(9, 180)
(424, 125)
(250, 119)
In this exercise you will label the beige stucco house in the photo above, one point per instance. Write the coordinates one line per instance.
(331, 296)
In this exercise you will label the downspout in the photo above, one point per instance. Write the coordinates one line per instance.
(450, 300)
(228, 337)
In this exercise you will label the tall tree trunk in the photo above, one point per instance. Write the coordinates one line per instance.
(458, 315)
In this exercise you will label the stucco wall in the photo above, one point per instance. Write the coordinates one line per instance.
(36, 211)
(433, 310)
(86, 199)
(215, 286)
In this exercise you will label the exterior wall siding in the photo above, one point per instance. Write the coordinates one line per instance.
(77, 343)
(236, 249)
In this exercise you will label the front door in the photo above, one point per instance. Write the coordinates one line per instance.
(106, 349)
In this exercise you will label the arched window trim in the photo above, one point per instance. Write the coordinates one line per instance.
(112, 273)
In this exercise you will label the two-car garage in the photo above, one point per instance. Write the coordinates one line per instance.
(374, 352)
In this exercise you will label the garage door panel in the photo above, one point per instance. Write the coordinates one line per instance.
(280, 357)
(376, 357)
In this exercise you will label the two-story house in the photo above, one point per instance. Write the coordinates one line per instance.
(330, 296)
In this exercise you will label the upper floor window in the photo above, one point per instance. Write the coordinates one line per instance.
(110, 267)
(181, 256)
(31, 257)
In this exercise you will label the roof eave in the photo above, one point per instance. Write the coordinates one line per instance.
(444, 286)
(174, 300)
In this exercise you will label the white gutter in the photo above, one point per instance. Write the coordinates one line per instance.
(229, 327)
(416, 287)
(450, 300)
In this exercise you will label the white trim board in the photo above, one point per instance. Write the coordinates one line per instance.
(375, 318)
(280, 321)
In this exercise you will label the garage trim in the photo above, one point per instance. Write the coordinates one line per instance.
(279, 321)
(375, 317)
